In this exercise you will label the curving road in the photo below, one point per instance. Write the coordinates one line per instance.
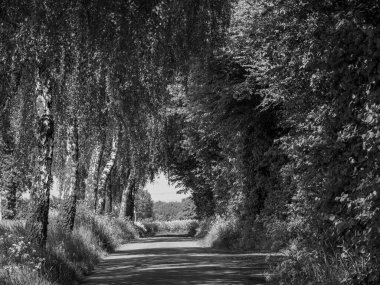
(178, 260)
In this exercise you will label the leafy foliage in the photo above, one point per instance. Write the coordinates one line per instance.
(144, 205)
(266, 112)
(280, 129)
(169, 211)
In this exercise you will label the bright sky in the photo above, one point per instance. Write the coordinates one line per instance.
(160, 190)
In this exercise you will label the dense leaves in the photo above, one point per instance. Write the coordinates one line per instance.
(271, 125)
(96, 73)
(280, 130)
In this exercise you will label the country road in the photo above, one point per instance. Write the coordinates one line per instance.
(178, 260)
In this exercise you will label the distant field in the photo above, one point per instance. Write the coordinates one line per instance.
(177, 226)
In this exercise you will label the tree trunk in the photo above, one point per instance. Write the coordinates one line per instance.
(37, 223)
(8, 165)
(93, 176)
(11, 197)
(124, 197)
(69, 204)
(1, 207)
(72, 161)
(106, 172)
(130, 206)
(128, 199)
(109, 195)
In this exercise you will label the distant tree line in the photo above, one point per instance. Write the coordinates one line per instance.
(144, 205)
(169, 211)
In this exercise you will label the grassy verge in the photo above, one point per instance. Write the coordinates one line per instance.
(302, 266)
(219, 232)
(295, 262)
(68, 257)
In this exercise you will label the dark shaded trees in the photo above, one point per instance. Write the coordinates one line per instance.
(273, 122)
(88, 68)
(289, 145)
(225, 134)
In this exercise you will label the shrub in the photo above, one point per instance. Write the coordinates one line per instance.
(223, 233)
(192, 227)
(204, 227)
(146, 228)
(67, 255)
(302, 266)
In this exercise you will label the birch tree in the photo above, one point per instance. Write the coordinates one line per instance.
(101, 199)
(92, 180)
(73, 93)
(38, 221)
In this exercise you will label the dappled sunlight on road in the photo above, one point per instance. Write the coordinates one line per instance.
(179, 260)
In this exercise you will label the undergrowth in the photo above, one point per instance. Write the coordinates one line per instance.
(220, 232)
(67, 257)
(302, 266)
(297, 264)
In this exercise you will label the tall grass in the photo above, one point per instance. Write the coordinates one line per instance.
(67, 257)
(302, 266)
(220, 232)
(177, 226)
(297, 264)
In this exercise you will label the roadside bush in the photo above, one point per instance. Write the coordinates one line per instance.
(264, 234)
(67, 257)
(223, 233)
(192, 228)
(147, 228)
(204, 227)
(301, 266)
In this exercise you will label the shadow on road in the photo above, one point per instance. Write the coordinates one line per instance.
(178, 260)
(166, 238)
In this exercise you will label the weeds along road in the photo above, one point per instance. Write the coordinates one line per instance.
(178, 260)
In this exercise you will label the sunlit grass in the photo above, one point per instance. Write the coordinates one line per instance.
(176, 226)
(67, 257)
(220, 233)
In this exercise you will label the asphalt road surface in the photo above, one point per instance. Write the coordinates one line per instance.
(179, 260)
